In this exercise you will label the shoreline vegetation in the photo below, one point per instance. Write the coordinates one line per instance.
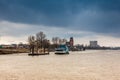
(40, 45)
(13, 51)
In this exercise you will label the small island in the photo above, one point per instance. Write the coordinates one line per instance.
(38, 45)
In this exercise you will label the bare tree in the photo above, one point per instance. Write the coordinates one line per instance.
(31, 41)
(38, 42)
(64, 41)
(55, 40)
(40, 37)
(46, 44)
(60, 41)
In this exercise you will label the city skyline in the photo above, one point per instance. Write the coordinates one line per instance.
(82, 19)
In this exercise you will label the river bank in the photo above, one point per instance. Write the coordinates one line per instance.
(12, 51)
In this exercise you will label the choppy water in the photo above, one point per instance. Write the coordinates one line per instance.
(87, 65)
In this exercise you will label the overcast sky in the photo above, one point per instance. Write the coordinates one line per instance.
(85, 20)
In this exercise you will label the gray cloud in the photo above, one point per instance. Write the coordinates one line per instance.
(97, 16)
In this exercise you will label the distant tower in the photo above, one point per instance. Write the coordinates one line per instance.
(71, 41)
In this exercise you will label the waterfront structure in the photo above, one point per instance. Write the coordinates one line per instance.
(94, 44)
(62, 49)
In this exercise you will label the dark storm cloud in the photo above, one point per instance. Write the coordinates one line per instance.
(102, 16)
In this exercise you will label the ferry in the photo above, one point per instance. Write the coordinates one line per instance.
(62, 49)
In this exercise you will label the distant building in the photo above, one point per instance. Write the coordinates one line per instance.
(94, 44)
(6, 46)
(14, 45)
(21, 45)
(71, 41)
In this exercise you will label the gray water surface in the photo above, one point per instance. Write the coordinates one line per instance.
(86, 65)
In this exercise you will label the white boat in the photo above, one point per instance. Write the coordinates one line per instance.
(62, 49)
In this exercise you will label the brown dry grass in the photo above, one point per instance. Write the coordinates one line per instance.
(11, 51)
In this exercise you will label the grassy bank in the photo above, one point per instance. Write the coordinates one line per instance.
(11, 51)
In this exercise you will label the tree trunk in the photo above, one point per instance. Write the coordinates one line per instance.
(32, 49)
(44, 49)
(48, 49)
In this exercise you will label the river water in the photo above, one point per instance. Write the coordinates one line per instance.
(83, 65)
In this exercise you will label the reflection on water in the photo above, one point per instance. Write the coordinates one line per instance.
(87, 65)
